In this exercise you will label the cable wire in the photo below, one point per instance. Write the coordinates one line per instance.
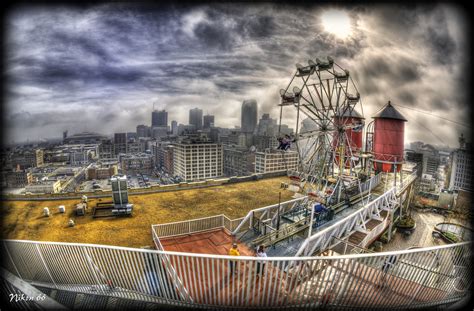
(431, 114)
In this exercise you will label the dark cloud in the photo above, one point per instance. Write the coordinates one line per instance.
(397, 71)
(258, 26)
(214, 36)
(442, 43)
(66, 60)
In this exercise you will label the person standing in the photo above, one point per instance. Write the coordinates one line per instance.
(261, 263)
(234, 251)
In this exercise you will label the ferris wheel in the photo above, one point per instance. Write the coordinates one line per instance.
(330, 148)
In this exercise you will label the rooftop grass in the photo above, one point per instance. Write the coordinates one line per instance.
(24, 220)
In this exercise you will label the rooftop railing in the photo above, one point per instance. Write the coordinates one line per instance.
(195, 225)
(415, 278)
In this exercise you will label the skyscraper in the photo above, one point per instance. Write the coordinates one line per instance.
(174, 127)
(267, 126)
(195, 118)
(249, 116)
(159, 118)
(208, 121)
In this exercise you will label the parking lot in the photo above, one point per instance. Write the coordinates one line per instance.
(96, 184)
(134, 181)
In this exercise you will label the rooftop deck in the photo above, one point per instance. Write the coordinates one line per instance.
(217, 242)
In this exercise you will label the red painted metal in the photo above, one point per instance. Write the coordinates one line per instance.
(354, 137)
(388, 143)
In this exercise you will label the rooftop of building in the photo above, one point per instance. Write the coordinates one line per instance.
(24, 220)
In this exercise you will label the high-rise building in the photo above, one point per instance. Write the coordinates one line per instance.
(461, 167)
(208, 121)
(174, 127)
(249, 116)
(195, 118)
(120, 143)
(198, 160)
(159, 118)
(267, 126)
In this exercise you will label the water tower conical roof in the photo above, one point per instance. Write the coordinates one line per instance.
(389, 112)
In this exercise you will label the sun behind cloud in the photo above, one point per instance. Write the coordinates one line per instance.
(337, 22)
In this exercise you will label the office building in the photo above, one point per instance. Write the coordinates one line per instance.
(238, 161)
(159, 118)
(140, 163)
(275, 161)
(461, 168)
(143, 131)
(186, 129)
(53, 186)
(159, 131)
(208, 121)
(120, 143)
(416, 158)
(263, 142)
(101, 172)
(27, 158)
(174, 127)
(197, 160)
(195, 118)
(163, 153)
(18, 178)
(249, 116)
(267, 126)
(106, 149)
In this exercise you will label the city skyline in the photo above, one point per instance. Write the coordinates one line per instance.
(112, 62)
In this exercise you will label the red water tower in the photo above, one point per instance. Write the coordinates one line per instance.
(389, 131)
(353, 123)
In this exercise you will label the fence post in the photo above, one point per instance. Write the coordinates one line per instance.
(44, 263)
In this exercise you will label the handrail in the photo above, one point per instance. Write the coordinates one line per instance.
(155, 276)
(250, 213)
(197, 255)
(349, 221)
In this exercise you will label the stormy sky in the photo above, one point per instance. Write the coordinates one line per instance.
(100, 68)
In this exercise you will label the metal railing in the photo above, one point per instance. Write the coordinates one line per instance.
(418, 278)
(323, 239)
(195, 225)
(266, 212)
(371, 183)
(406, 182)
